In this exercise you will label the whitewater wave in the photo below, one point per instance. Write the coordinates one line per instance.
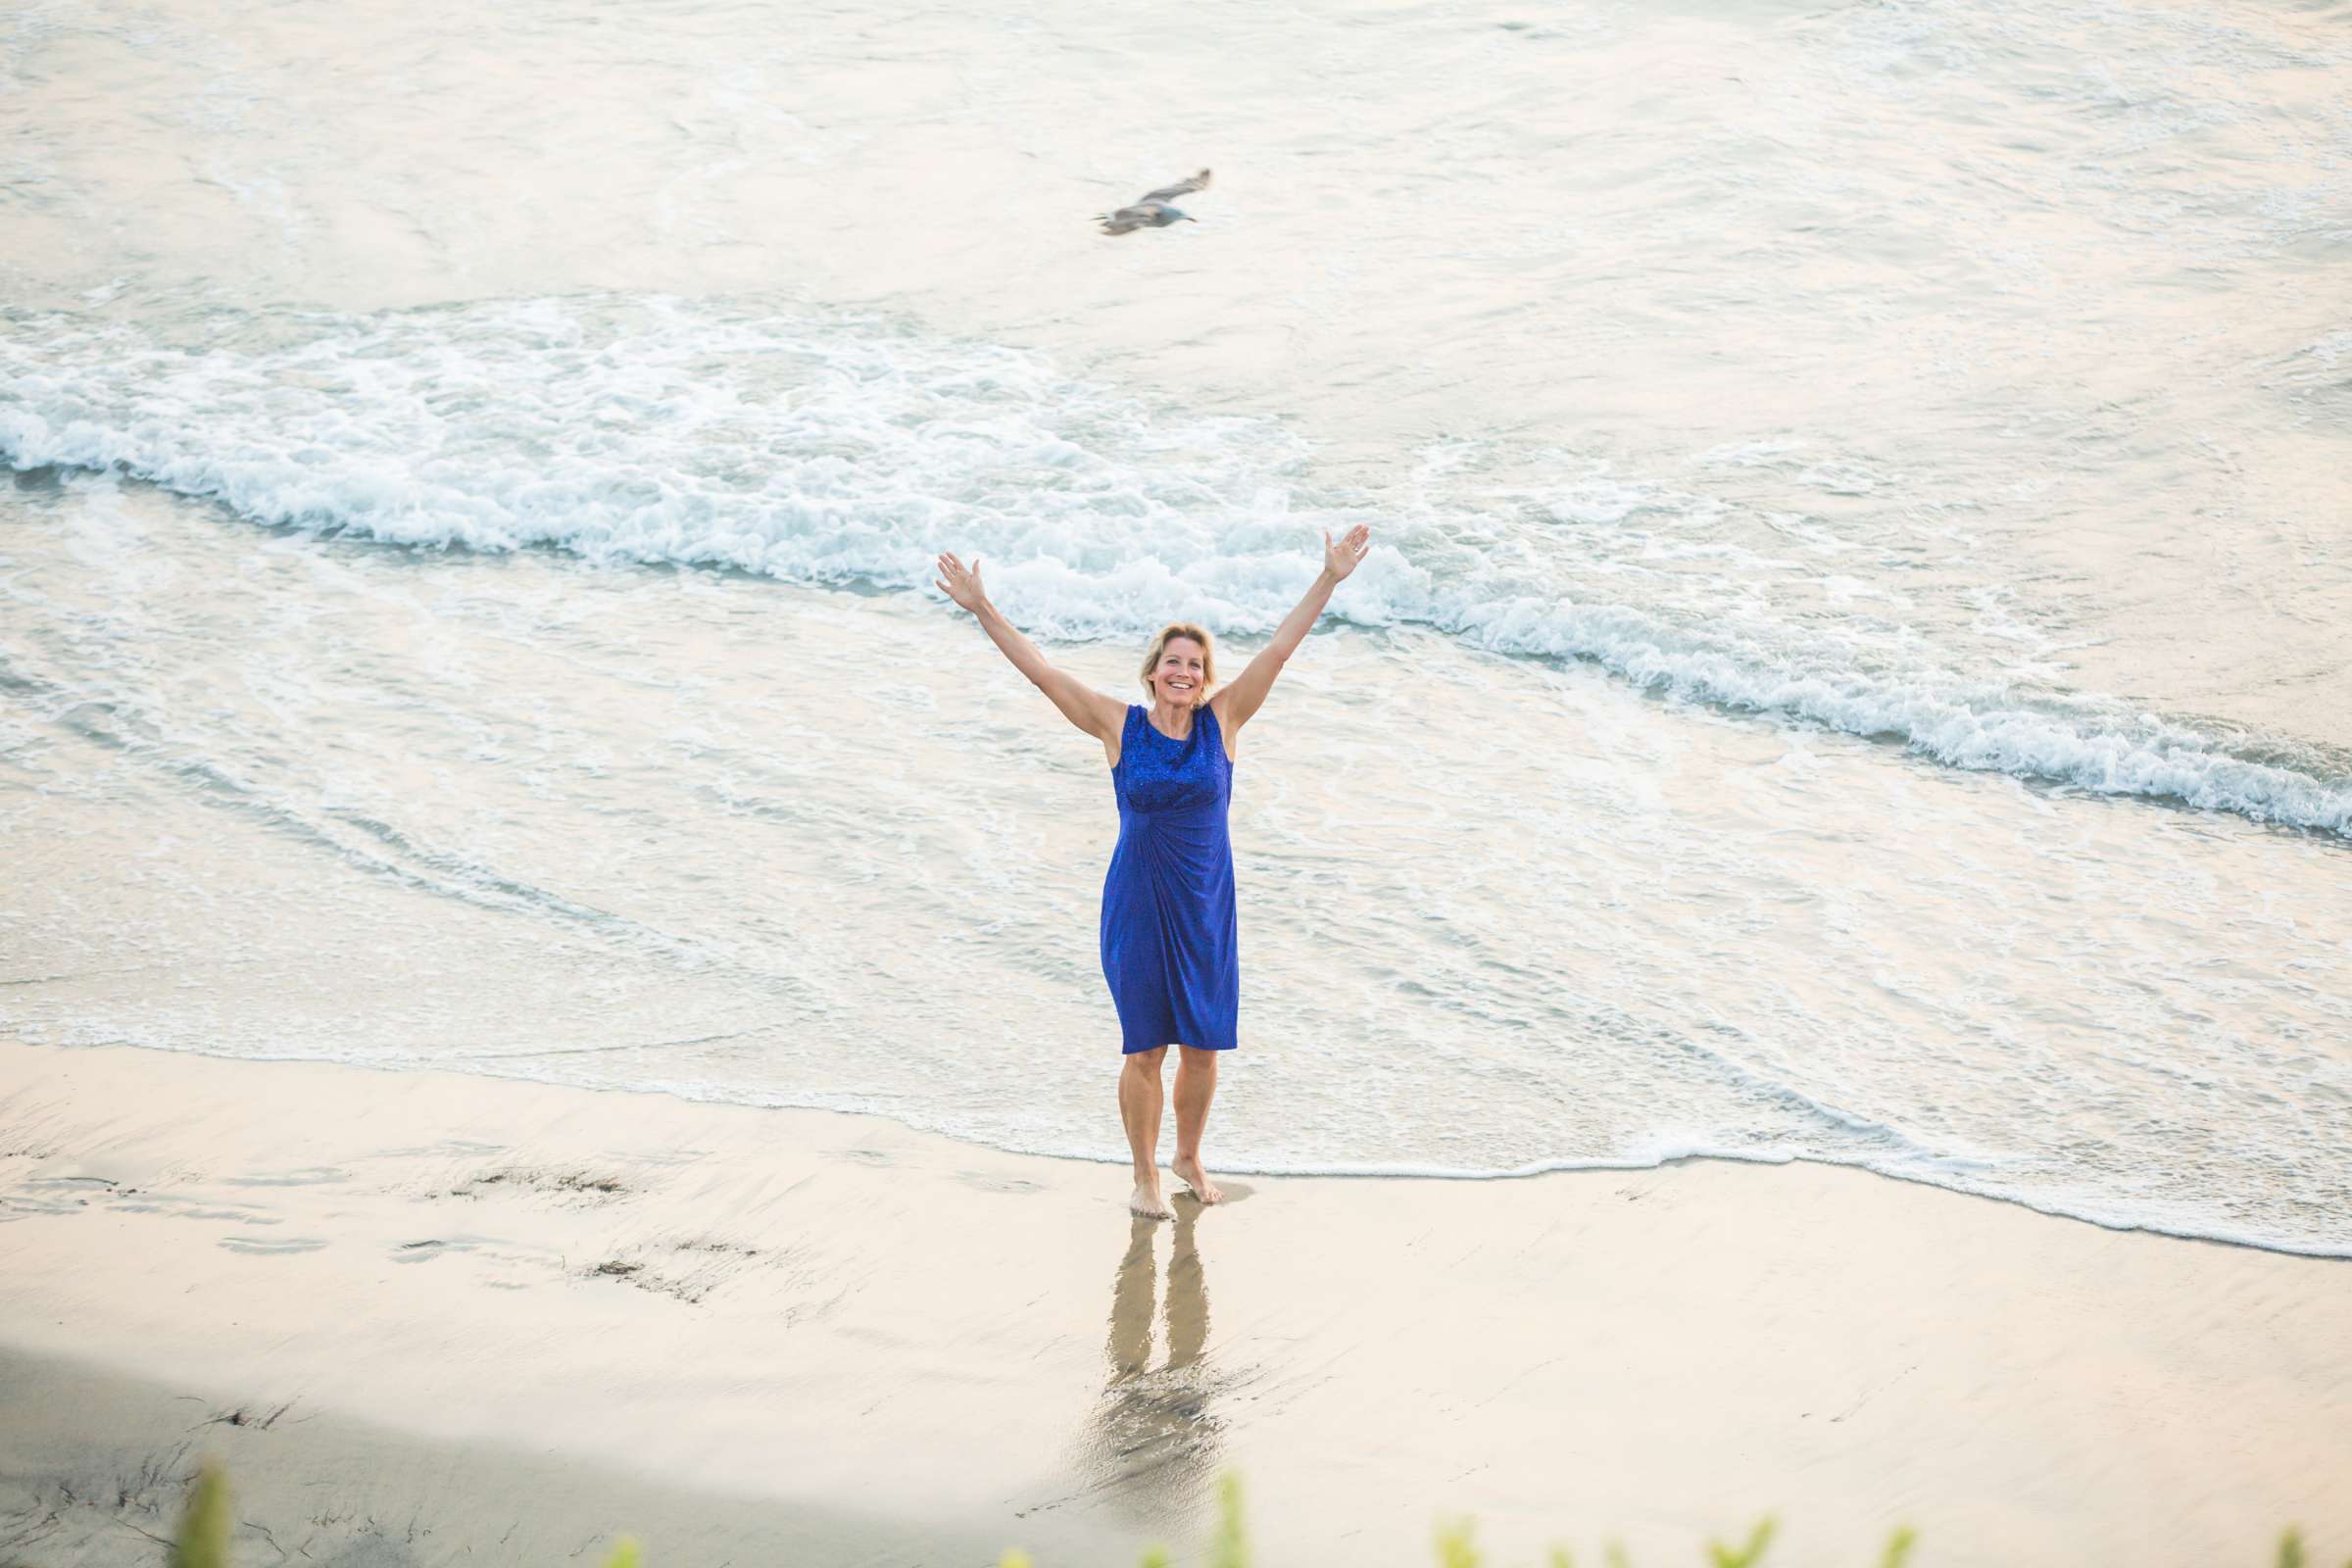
(835, 450)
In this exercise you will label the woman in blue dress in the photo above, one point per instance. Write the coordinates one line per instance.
(1169, 948)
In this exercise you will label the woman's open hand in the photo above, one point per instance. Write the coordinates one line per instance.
(1348, 554)
(962, 583)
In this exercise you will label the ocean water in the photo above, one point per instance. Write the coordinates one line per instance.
(1849, 667)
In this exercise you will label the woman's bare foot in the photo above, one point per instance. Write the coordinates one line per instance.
(1189, 1172)
(1147, 1202)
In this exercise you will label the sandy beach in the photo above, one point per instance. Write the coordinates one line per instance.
(427, 1318)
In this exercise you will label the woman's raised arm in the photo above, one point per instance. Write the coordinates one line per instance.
(1091, 711)
(1237, 702)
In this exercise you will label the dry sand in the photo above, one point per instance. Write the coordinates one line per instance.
(500, 1321)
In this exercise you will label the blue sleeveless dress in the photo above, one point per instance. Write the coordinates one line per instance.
(1169, 946)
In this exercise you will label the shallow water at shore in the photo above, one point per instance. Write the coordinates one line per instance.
(707, 835)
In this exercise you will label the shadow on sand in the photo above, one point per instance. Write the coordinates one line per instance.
(1151, 1444)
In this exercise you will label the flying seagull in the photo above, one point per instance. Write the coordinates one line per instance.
(1152, 209)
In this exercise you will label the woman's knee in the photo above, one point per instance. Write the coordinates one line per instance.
(1197, 1060)
(1147, 1063)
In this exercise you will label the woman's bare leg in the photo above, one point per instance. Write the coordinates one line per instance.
(1195, 1086)
(1139, 1101)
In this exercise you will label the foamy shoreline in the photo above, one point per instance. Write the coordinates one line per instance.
(769, 1327)
(104, 401)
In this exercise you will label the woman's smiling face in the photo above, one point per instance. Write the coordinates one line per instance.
(1181, 674)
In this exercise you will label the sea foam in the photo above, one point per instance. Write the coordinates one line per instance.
(831, 450)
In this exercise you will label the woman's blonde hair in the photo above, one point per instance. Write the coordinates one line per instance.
(1209, 656)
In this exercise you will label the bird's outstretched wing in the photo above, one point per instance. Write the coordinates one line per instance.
(1182, 187)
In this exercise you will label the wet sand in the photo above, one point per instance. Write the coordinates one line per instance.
(504, 1321)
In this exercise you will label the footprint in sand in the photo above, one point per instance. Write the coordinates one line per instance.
(272, 1247)
(997, 1184)
(1235, 1192)
(446, 1146)
(179, 1208)
(308, 1176)
(62, 1194)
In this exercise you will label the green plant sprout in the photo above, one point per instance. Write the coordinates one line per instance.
(202, 1541)
(203, 1538)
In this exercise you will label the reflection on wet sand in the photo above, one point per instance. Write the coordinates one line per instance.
(1150, 1443)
